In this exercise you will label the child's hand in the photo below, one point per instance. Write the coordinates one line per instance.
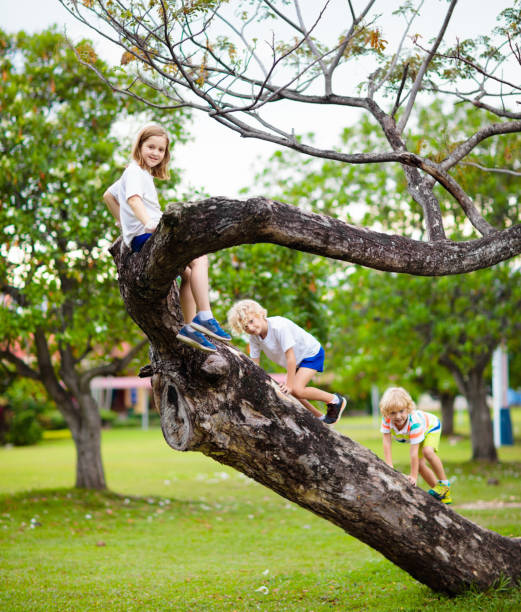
(411, 479)
(285, 388)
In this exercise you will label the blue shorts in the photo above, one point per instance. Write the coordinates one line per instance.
(137, 242)
(314, 363)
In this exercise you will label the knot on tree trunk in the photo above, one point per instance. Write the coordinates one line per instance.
(146, 371)
(174, 409)
(215, 367)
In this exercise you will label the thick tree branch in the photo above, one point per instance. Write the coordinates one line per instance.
(22, 368)
(114, 367)
(223, 223)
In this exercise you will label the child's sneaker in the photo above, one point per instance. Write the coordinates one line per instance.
(195, 339)
(334, 411)
(211, 328)
(442, 493)
(448, 498)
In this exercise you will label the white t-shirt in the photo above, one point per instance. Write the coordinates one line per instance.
(135, 181)
(282, 335)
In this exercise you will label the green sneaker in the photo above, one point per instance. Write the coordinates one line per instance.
(440, 492)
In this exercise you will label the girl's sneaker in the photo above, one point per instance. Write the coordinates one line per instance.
(211, 328)
(195, 339)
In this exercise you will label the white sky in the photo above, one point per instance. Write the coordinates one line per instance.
(217, 159)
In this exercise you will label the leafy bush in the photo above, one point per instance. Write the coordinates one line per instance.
(25, 405)
(24, 428)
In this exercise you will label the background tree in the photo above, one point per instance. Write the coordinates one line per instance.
(235, 61)
(61, 317)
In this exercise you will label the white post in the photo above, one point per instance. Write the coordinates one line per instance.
(499, 388)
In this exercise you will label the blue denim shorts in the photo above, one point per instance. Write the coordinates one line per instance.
(138, 241)
(314, 363)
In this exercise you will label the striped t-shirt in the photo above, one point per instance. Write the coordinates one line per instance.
(417, 426)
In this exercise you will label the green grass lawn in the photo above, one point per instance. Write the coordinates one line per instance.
(181, 532)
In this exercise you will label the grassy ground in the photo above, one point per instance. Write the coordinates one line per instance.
(181, 532)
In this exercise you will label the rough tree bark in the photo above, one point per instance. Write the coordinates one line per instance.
(223, 405)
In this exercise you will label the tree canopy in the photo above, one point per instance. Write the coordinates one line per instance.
(236, 61)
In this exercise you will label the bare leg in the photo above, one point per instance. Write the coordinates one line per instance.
(310, 407)
(302, 391)
(199, 283)
(430, 455)
(186, 296)
(427, 474)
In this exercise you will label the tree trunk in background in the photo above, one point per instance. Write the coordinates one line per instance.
(482, 433)
(226, 407)
(447, 413)
(84, 421)
(472, 386)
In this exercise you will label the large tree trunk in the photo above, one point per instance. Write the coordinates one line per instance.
(225, 406)
(87, 437)
(84, 421)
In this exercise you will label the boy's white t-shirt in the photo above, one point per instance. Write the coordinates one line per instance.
(135, 181)
(282, 335)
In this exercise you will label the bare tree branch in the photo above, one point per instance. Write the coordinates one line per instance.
(421, 73)
(497, 170)
(485, 132)
(114, 367)
(395, 61)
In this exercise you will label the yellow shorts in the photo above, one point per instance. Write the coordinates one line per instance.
(431, 439)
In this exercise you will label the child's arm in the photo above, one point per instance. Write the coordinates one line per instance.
(256, 360)
(291, 369)
(415, 463)
(112, 204)
(138, 208)
(388, 455)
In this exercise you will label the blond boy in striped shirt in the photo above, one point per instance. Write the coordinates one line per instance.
(422, 431)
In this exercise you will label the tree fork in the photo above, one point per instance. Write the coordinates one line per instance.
(226, 407)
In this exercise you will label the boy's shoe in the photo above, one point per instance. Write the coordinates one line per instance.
(210, 328)
(442, 493)
(448, 498)
(334, 411)
(195, 339)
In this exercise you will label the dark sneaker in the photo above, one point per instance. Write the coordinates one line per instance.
(334, 411)
(195, 339)
(210, 328)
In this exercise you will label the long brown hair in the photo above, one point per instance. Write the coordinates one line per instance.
(161, 170)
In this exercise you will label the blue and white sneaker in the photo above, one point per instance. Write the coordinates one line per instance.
(210, 328)
(195, 339)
